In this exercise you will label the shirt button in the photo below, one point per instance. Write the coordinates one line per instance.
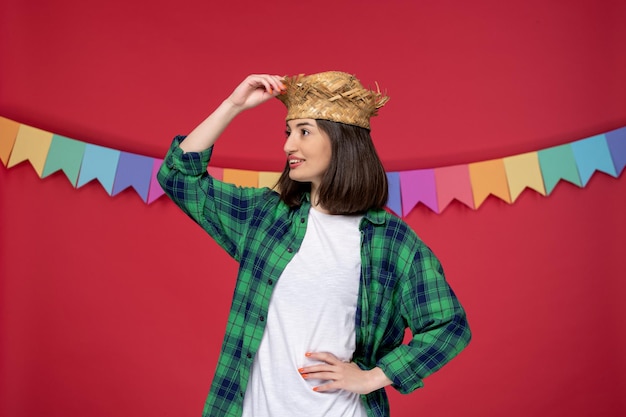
(249, 355)
(302, 220)
(262, 318)
(289, 250)
(270, 282)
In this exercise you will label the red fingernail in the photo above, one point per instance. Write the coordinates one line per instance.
(305, 375)
(301, 370)
(315, 388)
(307, 354)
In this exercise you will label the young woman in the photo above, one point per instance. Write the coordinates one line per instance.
(328, 280)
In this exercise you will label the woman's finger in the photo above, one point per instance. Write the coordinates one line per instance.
(314, 369)
(261, 81)
(324, 357)
(327, 376)
(278, 83)
(272, 83)
(326, 387)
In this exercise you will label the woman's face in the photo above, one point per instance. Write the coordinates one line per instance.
(308, 151)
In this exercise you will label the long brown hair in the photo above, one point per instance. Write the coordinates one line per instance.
(355, 180)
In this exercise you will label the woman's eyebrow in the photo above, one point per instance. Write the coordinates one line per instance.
(305, 124)
(300, 125)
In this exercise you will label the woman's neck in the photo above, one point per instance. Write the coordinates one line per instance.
(315, 199)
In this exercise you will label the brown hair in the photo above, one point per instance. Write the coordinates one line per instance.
(355, 180)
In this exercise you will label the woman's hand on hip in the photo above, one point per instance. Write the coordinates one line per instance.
(343, 375)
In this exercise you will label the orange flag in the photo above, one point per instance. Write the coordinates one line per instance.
(489, 177)
(241, 178)
(8, 133)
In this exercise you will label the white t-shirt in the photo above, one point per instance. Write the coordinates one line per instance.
(312, 309)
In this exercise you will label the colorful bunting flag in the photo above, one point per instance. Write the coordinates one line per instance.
(558, 163)
(394, 202)
(155, 188)
(241, 177)
(418, 187)
(217, 173)
(453, 183)
(616, 141)
(133, 171)
(31, 144)
(67, 155)
(489, 178)
(436, 188)
(99, 163)
(8, 133)
(523, 171)
(268, 179)
(592, 154)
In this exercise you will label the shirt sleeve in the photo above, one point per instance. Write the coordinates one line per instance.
(223, 210)
(436, 319)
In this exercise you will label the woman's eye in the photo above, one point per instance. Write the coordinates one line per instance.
(305, 132)
(287, 133)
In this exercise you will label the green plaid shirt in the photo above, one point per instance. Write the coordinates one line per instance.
(402, 283)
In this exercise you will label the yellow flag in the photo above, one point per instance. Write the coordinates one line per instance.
(268, 179)
(31, 144)
(523, 171)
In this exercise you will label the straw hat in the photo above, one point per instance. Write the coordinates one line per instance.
(333, 95)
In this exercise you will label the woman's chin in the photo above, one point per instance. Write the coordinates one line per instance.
(295, 177)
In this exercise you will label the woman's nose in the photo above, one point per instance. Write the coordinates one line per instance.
(289, 146)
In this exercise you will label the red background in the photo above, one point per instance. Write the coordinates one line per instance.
(111, 307)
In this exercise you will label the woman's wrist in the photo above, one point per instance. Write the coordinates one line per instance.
(377, 379)
(206, 133)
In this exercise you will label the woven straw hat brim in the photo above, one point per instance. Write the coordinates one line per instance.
(332, 95)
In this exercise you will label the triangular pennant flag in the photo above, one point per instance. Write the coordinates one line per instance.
(8, 133)
(616, 141)
(453, 183)
(241, 177)
(65, 154)
(418, 186)
(394, 202)
(268, 179)
(155, 188)
(99, 163)
(523, 171)
(558, 163)
(133, 171)
(217, 173)
(592, 154)
(31, 144)
(489, 177)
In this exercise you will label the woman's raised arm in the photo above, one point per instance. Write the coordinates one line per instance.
(254, 90)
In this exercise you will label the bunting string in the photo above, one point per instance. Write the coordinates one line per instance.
(435, 188)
